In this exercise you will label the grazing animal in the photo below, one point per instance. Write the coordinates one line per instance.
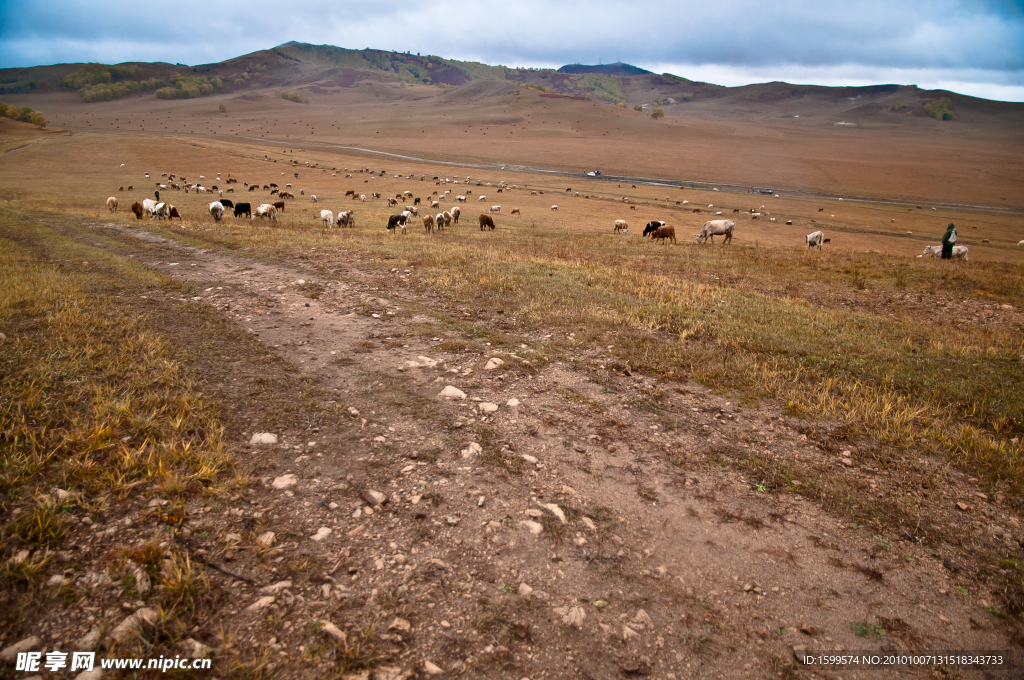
(455, 212)
(735, 210)
(396, 221)
(243, 209)
(821, 210)
(253, 187)
(416, 201)
(665, 233)
(958, 251)
(327, 218)
(621, 226)
(789, 221)
(554, 207)
(652, 225)
(716, 228)
(696, 210)
(227, 204)
(362, 197)
(460, 199)
(375, 194)
(435, 204)
(495, 209)
(311, 198)
(428, 223)
(148, 205)
(814, 240)
(486, 221)
(1020, 243)
(482, 198)
(755, 216)
(131, 187)
(112, 204)
(266, 210)
(161, 210)
(439, 221)
(347, 218)
(172, 213)
(392, 201)
(515, 211)
(137, 209)
(412, 209)
(121, 188)
(279, 205)
(217, 210)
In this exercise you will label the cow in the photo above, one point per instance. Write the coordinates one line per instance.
(243, 209)
(266, 210)
(396, 221)
(279, 205)
(716, 228)
(137, 209)
(327, 217)
(665, 233)
(347, 218)
(428, 223)
(227, 204)
(814, 240)
(486, 221)
(112, 204)
(621, 227)
(652, 225)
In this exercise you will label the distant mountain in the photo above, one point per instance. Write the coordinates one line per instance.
(314, 69)
(616, 69)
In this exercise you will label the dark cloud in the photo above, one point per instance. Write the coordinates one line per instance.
(941, 40)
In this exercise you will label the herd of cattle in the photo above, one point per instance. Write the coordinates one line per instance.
(657, 230)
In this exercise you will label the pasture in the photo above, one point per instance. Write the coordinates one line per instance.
(752, 414)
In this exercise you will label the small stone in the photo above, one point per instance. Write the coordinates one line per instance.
(493, 363)
(57, 580)
(944, 619)
(91, 639)
(529, 459)
(132, 623)
(589, 523)
(574, 617)
(554, 510)
(373, 498)
(963, 506)
(143, 584)
(262, 439)
(580, 541)
(809, 630)
(512, 403)
(321, 534)
(261, 603)
(848, 462)
(524, 590)
(431, 669)
(628, 633)
(451, 392)
(401, 625)
(452, 520)
(266, 539)
(642, 618)
(472, 449)
(275, 588)
(95, 674)
(799, 652)
(533, 527)
(533, 512)
(29, 644)
(195, 649)
(285, 481)
(488, 407)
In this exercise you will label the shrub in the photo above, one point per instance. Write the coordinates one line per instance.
(293, 97)
(688, 97)
(938, 108)
(37, 119)
(221, 108)
(589, 97)
(24, 113)
(658, 113)
(621, 105)
(638, 107)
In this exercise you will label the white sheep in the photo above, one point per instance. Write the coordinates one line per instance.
(958, 251)
(327, 217)
(495, 209)
(814, 240)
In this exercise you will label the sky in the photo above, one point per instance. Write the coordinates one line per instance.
(973, 47)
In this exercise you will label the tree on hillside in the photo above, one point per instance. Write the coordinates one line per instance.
(37, 119)
(658, 113)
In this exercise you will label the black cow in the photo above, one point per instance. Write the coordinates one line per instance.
(653, 226)
(243, 209)
(253, 187)
(226, 203)
(273, 186)
(415, 201)
(396, 221)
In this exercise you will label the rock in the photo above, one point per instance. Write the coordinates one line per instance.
(529, 459)
(493, 363)
(266, 539)
(963, 506)
(132, 624)
(589, 523)
(472, 449)
(541, 595)
(533, 527)
(90, 641)
(263, 439)
(261, 603)
(554, 510)
(951, 565)
(195, 649)
(29, 644)
(353, 411)
(580, 541)
(321, 534)
(143, 584)
(390, 673)
(57, 580)
(524, 590)
(533, 512)
(431, 669)
(95, 674)
(574, 617)
(799, 652)
(401, 625)
(21, 556)
(512, 403)
(642, 618)
(488, 407)
(848, 462)
(285, 481)
(275, 588)
(451, 392)
(809, 630)
(373, 498)
(628, 633)
(452, 520)
(332, 630)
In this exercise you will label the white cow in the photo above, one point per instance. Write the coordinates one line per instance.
(265, 210)
(814, 240)
(460, 199)
(716, 228)
(482, 198)
(347, 218)
(936, 251)
(455, 212)
(439, 221)
(554, 207)
(495, 209)
(327, 217)
(217, 210)
(148, 206)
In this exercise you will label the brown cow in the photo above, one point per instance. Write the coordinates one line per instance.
(137, 209)
(486, 221)
(662, 233)
(279, 205)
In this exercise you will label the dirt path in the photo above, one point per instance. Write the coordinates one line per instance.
(549, 524)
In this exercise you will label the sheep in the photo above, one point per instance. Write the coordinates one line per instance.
(814, 240)
(495, 209)
(735, 210)
(460, 199)
(481, 198)
(755, 216)
(1020, 243)
(416, 201)
(439, 221)
(434, 205)
(161, 210)
(362, 198)
(714, 228)
(312, 198)
(621, 226)
(448, 219)
(486, 221)
(958, 251)
(346, 218)
(554, 208)
(122, 165)
(396, 221)
(454, 214)
(412, 209)
(327, 218)
(428, 223)
(137, 209)
(112, 204)
(131, 187)
(719, 213)
(665, 233)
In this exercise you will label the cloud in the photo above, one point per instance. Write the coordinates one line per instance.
(953, 40)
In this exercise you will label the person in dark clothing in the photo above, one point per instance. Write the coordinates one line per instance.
(948, 239)
(157, 194)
